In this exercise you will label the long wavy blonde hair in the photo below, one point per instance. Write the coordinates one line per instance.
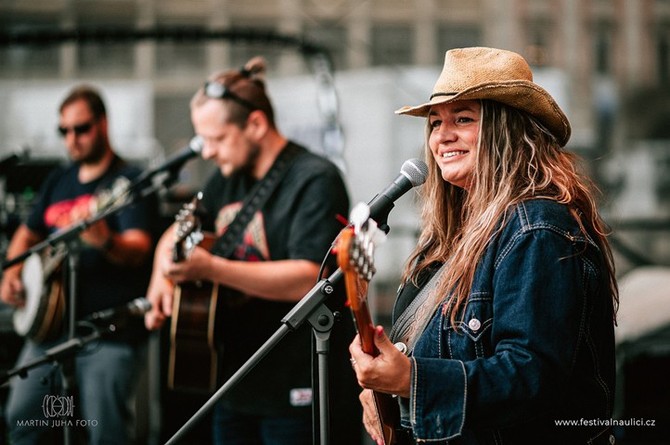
(517, 159)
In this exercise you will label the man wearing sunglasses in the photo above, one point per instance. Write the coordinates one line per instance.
(274, 263)
(114, 263)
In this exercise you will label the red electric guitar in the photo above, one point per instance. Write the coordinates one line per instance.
(355, 250)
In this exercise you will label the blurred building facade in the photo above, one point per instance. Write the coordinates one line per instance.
(624, 42)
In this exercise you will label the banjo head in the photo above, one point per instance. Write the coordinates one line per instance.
(33, 284)
(41, 316)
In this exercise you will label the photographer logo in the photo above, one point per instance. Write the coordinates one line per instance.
(58, 412)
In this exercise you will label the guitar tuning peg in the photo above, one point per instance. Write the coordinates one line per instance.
(359, 216)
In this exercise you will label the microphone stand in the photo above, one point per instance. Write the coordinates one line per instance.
(57, 353)
(70, 237)
(62, 356)
(312, 309)
(136, 191)
(70, 234)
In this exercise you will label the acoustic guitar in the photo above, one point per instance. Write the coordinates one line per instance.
(355, 257)
(193, 359)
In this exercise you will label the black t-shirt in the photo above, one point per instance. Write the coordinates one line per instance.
(100, 283)
(298, 221)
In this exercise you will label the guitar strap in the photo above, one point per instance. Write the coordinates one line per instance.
(224, 246)
(408, 328)
(413, 321)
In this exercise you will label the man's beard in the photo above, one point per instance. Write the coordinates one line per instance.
(96, 154)
(250, 164)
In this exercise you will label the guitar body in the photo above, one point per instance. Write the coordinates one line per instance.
(354, 258)
(193, 360)
(389, 417)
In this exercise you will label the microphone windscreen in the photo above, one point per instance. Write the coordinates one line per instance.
(415, 170)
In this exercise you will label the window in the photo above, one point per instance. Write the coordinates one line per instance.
(450, 36)
(663, 59)
(332, 37)
(180, 58)
(392, 45)
(254, 40)
(539, 33)
(29, 61)
(106, 59)
(603, 50)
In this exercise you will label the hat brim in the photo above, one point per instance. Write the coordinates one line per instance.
(524, 95)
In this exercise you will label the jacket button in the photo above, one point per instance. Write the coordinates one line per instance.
(474, 324)
(402, 347)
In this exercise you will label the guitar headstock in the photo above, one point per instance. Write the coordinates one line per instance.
(115, 195)
(355, 251)
(188, 233)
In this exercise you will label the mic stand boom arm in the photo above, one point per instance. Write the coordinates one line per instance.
(71, 232)
(55, 354)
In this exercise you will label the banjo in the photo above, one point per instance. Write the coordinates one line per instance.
(42, 316)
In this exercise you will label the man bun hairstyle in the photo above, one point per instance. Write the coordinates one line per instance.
(246, 83)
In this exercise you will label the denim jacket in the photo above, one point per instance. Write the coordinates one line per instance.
(534, 345)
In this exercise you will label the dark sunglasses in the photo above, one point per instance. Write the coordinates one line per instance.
(217, 90)
(77, 129)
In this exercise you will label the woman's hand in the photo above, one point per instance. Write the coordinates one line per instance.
(371, 420)
(388, 372)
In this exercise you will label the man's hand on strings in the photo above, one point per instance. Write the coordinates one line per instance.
(196, 267)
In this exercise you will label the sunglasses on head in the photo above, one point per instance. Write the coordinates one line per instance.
(216, 90)
(77, 129)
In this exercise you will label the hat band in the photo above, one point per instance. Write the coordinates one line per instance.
(441, 94)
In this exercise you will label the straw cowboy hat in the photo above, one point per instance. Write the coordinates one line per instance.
(495, 74)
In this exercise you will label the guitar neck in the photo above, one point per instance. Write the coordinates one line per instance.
(355, 260)
(178, 253)
(366, 328)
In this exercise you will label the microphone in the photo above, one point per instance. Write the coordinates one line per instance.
(412, 173)
(173, 162)
(12, 159)
(9, 160)
(136, 307)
